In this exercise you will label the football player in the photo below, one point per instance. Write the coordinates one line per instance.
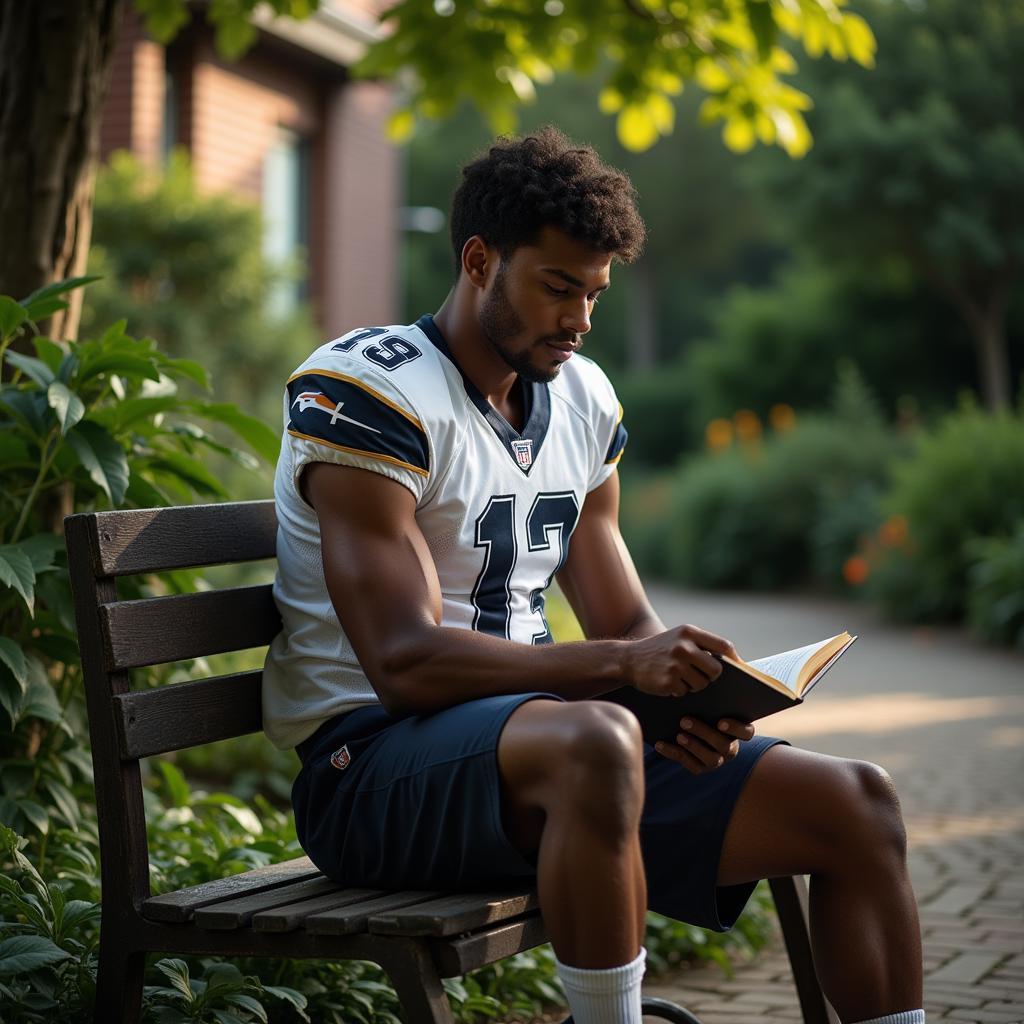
(434, 478)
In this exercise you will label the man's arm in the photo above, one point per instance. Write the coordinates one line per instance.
(603, 587)
(385, 590)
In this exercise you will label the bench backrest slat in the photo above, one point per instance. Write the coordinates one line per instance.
(188, 714)
(160, 630)
(156, 539)
(114, 635)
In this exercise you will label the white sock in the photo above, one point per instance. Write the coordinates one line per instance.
(605, 996)
(906, 1017)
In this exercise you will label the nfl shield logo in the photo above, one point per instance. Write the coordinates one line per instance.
(524, 452)
(341, 759)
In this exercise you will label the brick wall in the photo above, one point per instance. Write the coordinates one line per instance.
(360, 212)
(229, 114)
(133, 114)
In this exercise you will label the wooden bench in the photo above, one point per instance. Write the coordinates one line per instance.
(285, 910)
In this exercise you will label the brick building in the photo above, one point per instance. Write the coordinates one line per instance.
(286, 126)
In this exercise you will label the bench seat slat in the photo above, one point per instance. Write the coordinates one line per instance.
(159, 630)
(237, 913)
(453, 913)
(135, 541)
(289, 917)
(348, 920)
(190, 714)
(178, 907)
(455, 956)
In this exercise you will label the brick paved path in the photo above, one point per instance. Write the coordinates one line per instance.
(945, 717)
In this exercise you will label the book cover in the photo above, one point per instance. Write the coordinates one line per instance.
(746, 691)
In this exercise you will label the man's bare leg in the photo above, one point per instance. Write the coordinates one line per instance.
(838, 821)
(573, 791)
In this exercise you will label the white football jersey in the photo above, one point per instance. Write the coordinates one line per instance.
(497, 507)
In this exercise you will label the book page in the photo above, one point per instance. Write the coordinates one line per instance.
(786, 666)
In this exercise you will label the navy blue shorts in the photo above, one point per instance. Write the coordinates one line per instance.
(414, 803)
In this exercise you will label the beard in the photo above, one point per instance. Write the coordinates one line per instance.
(500, 323)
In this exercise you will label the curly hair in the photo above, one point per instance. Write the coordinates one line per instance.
(522, 185)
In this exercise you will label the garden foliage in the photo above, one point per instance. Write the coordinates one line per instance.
(112, 421)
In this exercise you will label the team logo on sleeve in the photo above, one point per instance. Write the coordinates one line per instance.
(524, 452)
(318, 400)
(341, 758)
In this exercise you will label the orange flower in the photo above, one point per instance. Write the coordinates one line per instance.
(718, 434)
(782, 418)
(748, 426)
(893, 532)
(855, 570)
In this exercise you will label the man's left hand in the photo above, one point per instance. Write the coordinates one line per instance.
(701, 748)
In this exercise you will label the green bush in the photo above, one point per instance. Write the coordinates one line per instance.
(784, 509)
(187, 269)
(995, 595)
(962, 482)
(658, 412)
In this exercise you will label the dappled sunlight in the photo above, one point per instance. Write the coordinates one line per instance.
(897, 712)
(937, 829)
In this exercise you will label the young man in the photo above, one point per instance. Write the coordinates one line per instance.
(430, 479)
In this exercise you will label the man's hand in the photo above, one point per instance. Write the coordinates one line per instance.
(701, 748)
(677, 661)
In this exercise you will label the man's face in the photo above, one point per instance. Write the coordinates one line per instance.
(538, 304)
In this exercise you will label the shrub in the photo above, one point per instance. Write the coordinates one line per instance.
(188, 270)
(995, 595)
(963, 481)
(774, 511)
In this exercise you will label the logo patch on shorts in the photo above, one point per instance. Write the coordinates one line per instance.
(341, 758)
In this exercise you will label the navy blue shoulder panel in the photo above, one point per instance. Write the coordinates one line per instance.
(349, 415)
(619, 440)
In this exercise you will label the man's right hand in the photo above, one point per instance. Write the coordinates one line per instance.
(677, 661)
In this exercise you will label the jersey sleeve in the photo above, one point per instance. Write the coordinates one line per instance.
(345, 415)
(611, 437)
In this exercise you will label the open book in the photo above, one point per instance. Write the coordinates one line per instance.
(746, 690)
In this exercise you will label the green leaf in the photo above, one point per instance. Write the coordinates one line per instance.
(176, 971)
(24, 953)
(103, 458)
(58, 288)
(120, 362)
(14, 658)
(65, 802)
(191, 369)
(35, 813)
(253, 431)
(43, 308)
(189, 471)
(762, 24)
(50, 352)
(40, 548)
(12, 316)
(177, 786)
(254, 1006)
(40, 698)
(16, 572)
(31, 367)
(66, 404)
(290, 995)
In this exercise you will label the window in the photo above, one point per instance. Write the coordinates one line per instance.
(285, 213)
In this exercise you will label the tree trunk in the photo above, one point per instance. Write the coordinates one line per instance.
(54, 68)
(642, 338)
(993, 359)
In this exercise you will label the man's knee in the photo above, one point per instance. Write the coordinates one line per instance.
(867, 821)
(579, 758)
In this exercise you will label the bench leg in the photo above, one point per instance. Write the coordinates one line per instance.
(790, 895)
(414, 976)
(118, 983)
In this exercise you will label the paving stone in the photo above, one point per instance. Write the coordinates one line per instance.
(960, 896)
